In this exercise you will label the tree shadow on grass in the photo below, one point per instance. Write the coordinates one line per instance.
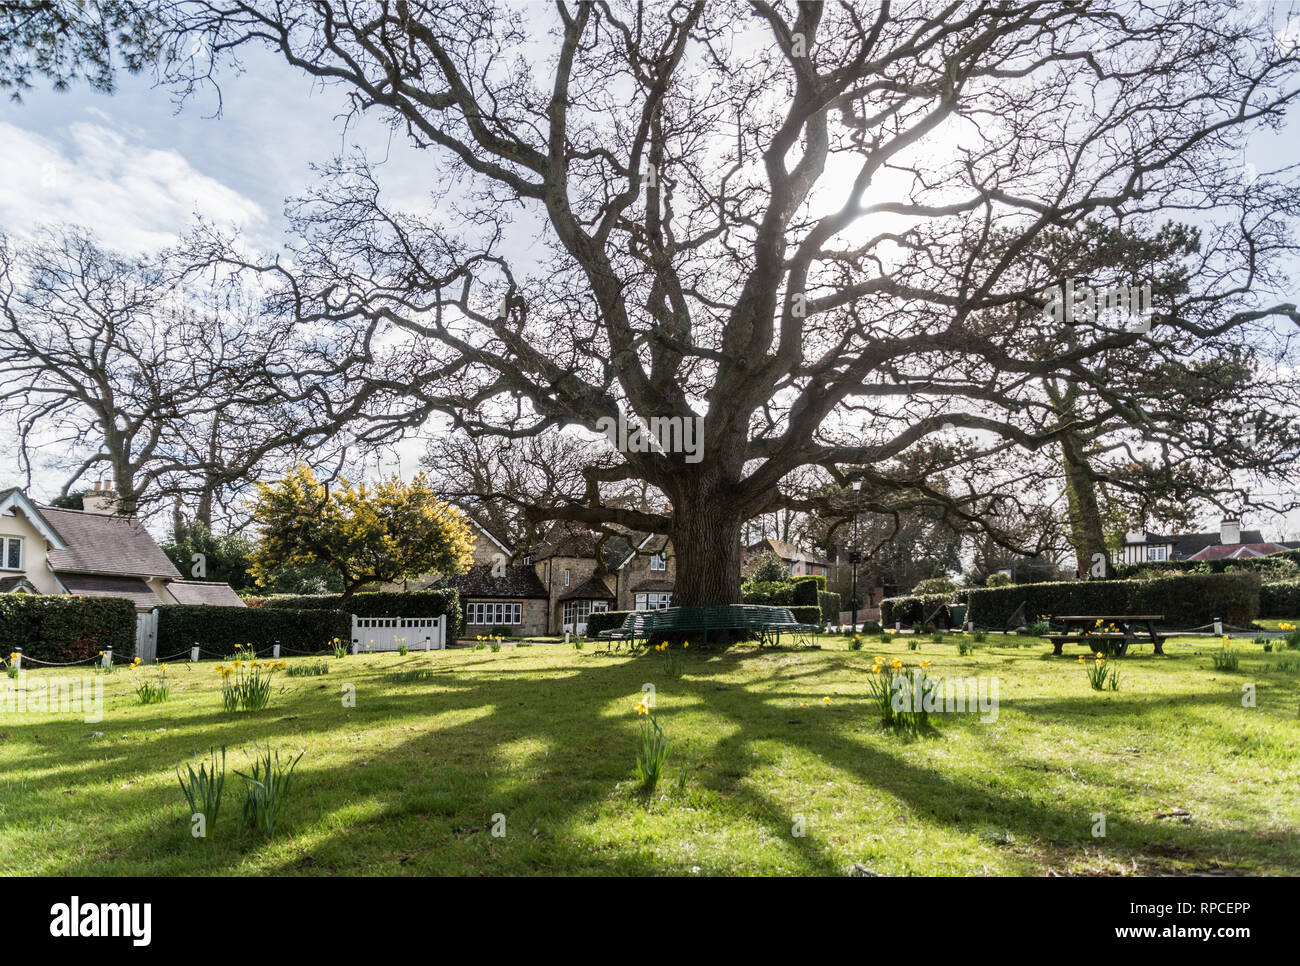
(425, 802)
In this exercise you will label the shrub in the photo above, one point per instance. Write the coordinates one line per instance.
(768, 568)
(934, 585)
(806, 590)
(219, 630)
(1187, 599)
(768, 592)
(912, 610)
(1279, 598)
(417, 603)
(998, 579)
(1275, 567)
(61, 629)
(1040, 628)
(829, 602)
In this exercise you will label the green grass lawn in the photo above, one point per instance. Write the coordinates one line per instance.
(408, 780)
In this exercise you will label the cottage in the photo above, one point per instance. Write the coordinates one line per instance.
(92, 552)
(800, 563)
(1229, 541)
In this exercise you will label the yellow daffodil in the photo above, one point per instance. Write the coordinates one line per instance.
(641, 708)
(826, 700)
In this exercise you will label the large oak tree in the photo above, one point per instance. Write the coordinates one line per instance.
(797, 222)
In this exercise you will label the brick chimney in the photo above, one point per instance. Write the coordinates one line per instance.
(1229, 531)
(100, 500)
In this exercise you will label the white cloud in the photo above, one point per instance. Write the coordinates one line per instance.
(134, 196)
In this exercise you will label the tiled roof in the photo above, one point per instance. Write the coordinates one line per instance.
(568, 539)
(478, 581)
(94, 585)
(787, 551)
(1237, 551)
(593, 588)
(104, 544)
(1189, 544)
(204, 592)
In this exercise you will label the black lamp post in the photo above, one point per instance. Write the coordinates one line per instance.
(854, 555)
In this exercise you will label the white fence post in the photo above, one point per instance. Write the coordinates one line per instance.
(194, 653)
(275, 651)
(108, 658)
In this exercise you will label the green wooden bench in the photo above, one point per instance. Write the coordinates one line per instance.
(769, 623)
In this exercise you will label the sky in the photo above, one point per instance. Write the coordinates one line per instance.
(136, 169)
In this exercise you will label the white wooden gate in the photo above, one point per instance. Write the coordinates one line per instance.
(390, 633)
(146, 636)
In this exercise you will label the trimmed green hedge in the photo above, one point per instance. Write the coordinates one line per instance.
(829, 602)
(806, 589)
(769, 593)
(1185, 600)
(62, 629)
(218, 629)
(416, 603)
(910, 610)
(1280, 599)
(1283, 564)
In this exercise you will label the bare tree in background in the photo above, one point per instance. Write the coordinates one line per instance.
(793, 221)
(116, 368)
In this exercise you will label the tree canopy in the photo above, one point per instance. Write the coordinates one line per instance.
(389, 532)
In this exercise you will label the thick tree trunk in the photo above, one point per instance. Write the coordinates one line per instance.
(1087, 535)
(706, 533)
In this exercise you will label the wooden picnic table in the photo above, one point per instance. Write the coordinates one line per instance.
(1086, 628)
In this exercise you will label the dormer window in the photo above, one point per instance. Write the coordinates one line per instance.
(658, 562)
(11, 553)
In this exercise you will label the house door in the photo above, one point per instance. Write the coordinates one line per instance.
(577, 611)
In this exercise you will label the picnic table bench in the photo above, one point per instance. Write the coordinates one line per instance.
(1086, 628)
(767, 622)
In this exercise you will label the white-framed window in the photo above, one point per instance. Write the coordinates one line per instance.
(1157, 553)
(659, 562)
(654, 600)
(490, 613)
(11, 553)
(576, 612)
(566, 577)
